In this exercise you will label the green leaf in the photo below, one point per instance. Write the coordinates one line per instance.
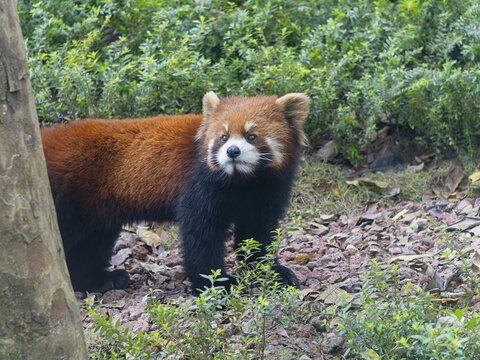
(471, 323)
(459, 314)
(370, 354)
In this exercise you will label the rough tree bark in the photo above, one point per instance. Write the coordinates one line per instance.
(39, 316)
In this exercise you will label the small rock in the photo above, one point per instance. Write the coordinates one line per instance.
(136, 269)
(355, 240)
(113, 295)
(408, 251)
(326, 152)
(120, 244)
(177, 273)
(464, 207)
(120, 257)
(331, 343)
(319, 229)
(374, 249)
(313, 283)
(116, 317)
(79, 295)
(141, 326)
(138, 278)
(395, 250)
(357, 261)
(318, 324)
(304, 357)
(139, 251)
(302, 272)
(418, 225)
(170, 285)
(247, 326)
(343, 219)
(173, 259)
(288, 255)
(352, 250)
(135, 311)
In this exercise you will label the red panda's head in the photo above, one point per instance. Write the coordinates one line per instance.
(241, 134)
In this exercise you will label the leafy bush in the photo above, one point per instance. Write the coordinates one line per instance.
(398, 321)
(414, 63)
(217, 325)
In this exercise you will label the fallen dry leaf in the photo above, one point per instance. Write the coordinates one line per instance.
(149, 237)
(154, 268)
(115, 304)
(325, 218)
(308, 292)
(321, 183)
(335, 190)
(475, 176)
(282, 332)
(400, 214)
(414, 168)
(352, 182)
(128, 227)
(379, 185)
(304, 257)
(333, 294)
(318, 229)
(453, 179)
(408, 257)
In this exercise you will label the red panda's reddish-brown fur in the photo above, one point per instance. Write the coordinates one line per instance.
(88, 157)
(232, 165)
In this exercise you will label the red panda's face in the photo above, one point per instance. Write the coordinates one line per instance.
(241, 134)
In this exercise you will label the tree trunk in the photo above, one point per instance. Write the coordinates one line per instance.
(39, 316)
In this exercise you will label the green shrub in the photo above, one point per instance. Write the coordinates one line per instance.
(399, 321)
(217, 325)
(413, 63)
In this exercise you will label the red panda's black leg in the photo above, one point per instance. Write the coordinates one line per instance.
(262, 232)
(88, 260)
(203, 229)
(203, 251)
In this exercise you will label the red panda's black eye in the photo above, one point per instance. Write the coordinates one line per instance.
(251, 138)
(224, 138)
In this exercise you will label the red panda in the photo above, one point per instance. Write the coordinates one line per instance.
(232, 165)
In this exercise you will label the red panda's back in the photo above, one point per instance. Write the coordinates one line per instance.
(117, 166)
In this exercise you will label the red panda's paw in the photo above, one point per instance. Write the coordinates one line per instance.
(288, 276)
(116, 279)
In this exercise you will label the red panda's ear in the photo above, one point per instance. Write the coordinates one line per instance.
(210, 102)
(295, 107)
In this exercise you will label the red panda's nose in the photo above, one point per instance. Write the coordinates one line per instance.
(233, 152)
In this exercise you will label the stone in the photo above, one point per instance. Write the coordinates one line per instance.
(332, 343)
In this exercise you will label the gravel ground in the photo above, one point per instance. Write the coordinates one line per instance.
(328, 255)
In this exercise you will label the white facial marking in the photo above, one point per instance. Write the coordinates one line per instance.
(276, 148)
(245, 163)
(229, 168)
(209, 151)
(226, 127)
(249, 125)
